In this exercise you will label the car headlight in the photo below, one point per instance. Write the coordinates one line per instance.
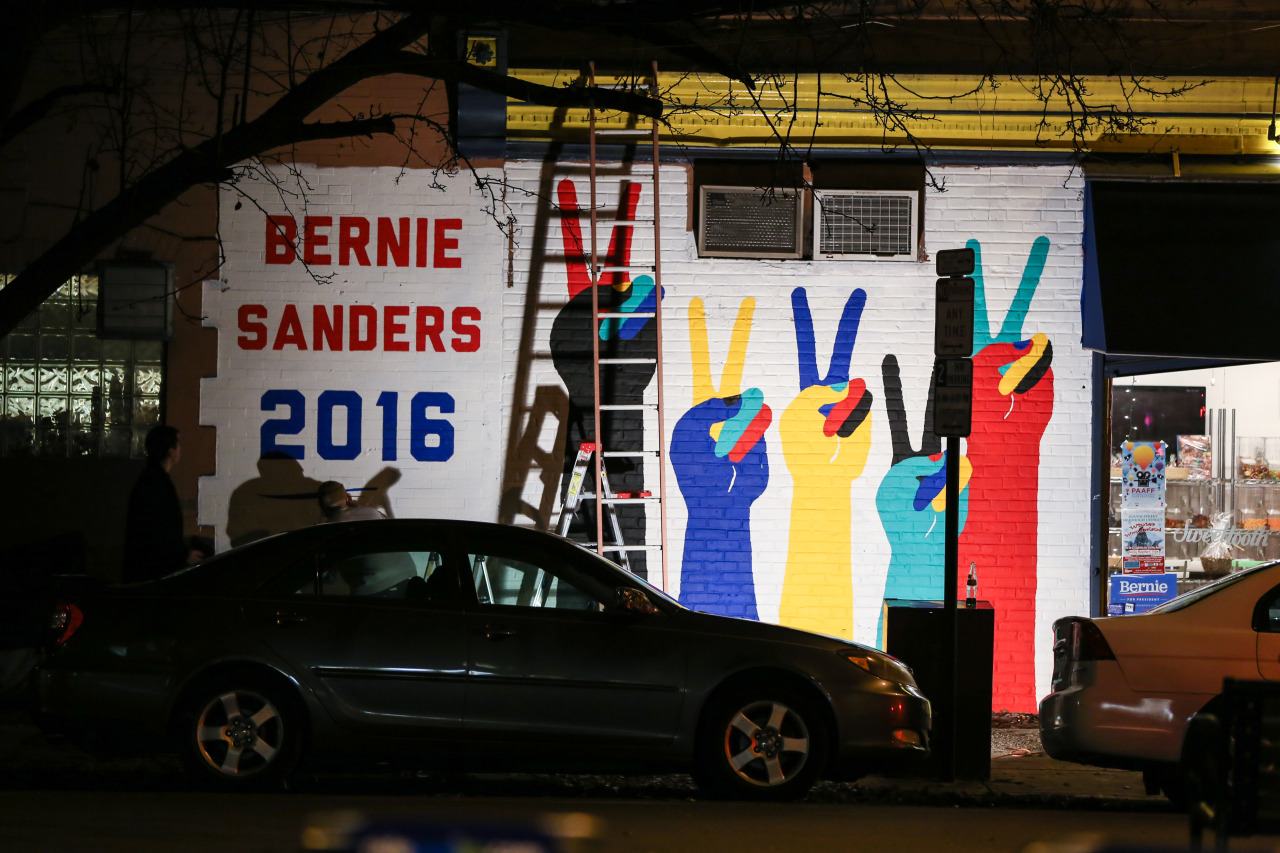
(880, 665)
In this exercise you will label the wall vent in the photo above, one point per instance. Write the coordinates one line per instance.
(867, 224)
(135, 300)
(750, 222)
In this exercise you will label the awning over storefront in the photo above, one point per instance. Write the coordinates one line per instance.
(1181, 275)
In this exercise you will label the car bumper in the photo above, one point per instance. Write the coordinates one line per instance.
(1103, 722)
(879, 731)
(71, 701)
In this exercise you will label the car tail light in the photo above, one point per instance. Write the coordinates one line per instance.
(64, 622)
(1076, 640)
(1088, 642)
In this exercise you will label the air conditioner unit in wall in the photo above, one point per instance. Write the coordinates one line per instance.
(866, 224)
(750, 222)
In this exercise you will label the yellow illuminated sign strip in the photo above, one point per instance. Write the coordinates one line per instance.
(938, 111)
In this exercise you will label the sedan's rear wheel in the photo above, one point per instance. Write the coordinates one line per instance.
(763, 744)
(242, 732)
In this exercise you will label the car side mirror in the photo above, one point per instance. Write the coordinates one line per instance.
(632, 600)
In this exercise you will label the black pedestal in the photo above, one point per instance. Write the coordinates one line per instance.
(916, 633)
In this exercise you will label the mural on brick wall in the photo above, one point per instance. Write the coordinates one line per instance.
(830, 436)
(721, 461)
(912, 501)
(1012, 405)
(358, 341)
(366, 328)
(826, 435)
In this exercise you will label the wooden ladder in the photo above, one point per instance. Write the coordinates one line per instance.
(618, 447)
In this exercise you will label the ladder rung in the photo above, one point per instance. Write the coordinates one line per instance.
(623, 223)
(590, 497)
(633, 454)
(592, 545)
(627, 407)
(617, 315)
(617, 501)
(624, 131)
(628, 361)
(645, 268)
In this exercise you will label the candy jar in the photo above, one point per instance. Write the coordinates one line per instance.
(1251, 513)
(1253, 459)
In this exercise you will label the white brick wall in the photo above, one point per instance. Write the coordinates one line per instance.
(244, 496)
(1004, 208)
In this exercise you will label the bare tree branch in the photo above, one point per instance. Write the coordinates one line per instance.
(281, 124)
(250, 87)
(40, 107)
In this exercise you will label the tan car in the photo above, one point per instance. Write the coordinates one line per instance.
(1125, 688)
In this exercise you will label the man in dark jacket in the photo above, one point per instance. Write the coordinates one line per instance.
(153, 540)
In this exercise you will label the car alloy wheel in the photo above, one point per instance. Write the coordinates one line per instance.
(240, 733)
(765, 745)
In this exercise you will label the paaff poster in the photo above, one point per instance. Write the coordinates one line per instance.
(1142, 474)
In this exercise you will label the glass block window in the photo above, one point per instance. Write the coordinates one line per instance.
(64, 392)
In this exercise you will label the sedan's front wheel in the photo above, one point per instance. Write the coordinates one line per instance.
(763, 744)
(241, 732)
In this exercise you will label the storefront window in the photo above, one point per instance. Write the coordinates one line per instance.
(1220, 486)
(64, 392)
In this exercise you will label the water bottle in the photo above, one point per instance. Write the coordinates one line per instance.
(971, 598)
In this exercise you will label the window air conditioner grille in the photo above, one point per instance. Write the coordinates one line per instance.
(749, 222)
(881, 223)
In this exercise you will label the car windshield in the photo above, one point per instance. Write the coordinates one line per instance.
(1203, 592)
(624, 575)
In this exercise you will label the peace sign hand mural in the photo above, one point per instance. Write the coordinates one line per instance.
(1012, 405)
(826, 436)
(721, 465)
(912, 501)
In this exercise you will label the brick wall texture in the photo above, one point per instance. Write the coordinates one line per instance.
(802, 486)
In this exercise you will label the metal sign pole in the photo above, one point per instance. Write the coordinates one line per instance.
(951, 579)
(953, 413)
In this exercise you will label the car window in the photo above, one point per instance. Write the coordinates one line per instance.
(249, 567)
(1203, 592)
(1267, 613)
(379, 574)
(607, 567)
(373, 573)
(526, 581)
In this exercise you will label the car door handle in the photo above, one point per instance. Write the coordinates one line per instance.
(497, 632)
(286, 618)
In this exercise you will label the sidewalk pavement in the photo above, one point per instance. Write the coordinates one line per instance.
(1022, 776)
(1026, 779)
